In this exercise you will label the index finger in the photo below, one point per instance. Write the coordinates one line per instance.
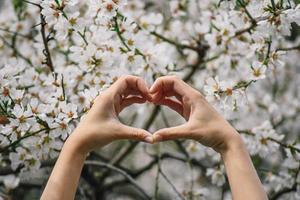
(170, 85)
(127, 84)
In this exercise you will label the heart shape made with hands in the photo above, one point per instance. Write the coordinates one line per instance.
(162, 91)
(203, 123)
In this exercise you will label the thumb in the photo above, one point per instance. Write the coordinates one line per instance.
(133, 133)
(172, 133)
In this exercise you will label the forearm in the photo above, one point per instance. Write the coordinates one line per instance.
(243, 179)
(64, 178)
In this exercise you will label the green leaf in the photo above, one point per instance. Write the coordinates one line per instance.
(57, 2)
(19, 6)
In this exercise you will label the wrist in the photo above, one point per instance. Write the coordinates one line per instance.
(229, 138)
(76, 145)
(234, 144)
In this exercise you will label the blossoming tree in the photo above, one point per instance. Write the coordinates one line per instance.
(58, 55)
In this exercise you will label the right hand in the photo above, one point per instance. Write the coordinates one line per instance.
(204, 123)
(101, 125)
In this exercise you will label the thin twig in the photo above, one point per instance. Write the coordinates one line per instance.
(16, 51)
(16, 33)
(117, 28)
(172, 185)
(177, 45)
(45, 42)
(288, 146)
(158, 172)
(32, 3)
(178, 143)
(122, 172)
(289, 48)
(63, 87)
(240, 32)
(4, 149)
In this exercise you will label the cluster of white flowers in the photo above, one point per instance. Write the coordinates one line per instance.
(264, 140)
(56, 56)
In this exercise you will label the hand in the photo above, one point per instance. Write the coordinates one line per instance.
(204, 124)
(101, 125)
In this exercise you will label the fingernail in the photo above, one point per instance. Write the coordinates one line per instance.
(149, 139)
(157, 138)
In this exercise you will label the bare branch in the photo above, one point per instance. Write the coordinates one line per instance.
(122, 172)
(297, 47)
(47, 53)
(16, 51)
(172, 185)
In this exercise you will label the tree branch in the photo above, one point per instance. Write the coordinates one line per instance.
(297, 47)
(125, 174)
(46, 51)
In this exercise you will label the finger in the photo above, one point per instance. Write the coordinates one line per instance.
(172, 133)
(139, 84)
(131, 100)
(160, 95)
(131, 92)
(170, 83)
(172, 93)
(132, 133)
(156, 97)
(127, 84)
(174, 105)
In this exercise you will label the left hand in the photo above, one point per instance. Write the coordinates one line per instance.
(203, 123)
(101, 125)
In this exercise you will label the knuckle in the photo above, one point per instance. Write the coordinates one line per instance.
(159, 79)
(199, 100)
(196, 96)
(174, 77)
(168, 134)
(130, 77)
(123, 78)
(137, 134)
(186, 99)
(161, 137)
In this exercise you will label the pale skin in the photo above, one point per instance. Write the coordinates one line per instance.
(203, 124)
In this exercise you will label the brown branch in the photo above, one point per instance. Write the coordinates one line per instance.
(171, 184)
(8, 170)
(289, 146)
(6, 148)
(46, 51)
(32, 3)
(289, 48)
(240, 32)
(149, 166)
(176, 44)
(287, 190)
(15, 51)
(16, 33)
(122, 172)
(284, 191)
